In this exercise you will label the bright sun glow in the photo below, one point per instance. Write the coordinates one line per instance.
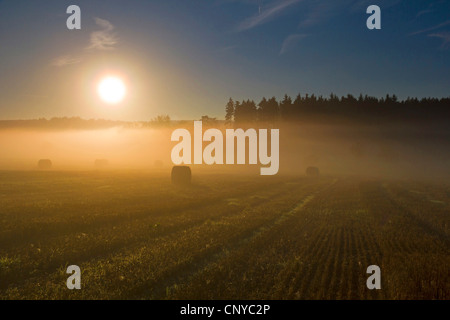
(112, 90)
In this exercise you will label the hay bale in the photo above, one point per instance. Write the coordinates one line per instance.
(45, 164)
(181, 175)
(101, 163)
(312, 172)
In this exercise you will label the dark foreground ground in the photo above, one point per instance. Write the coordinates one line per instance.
(135, 236)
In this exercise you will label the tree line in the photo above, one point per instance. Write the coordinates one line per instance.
(388, 108)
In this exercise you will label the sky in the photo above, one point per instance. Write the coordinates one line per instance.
(186, 58)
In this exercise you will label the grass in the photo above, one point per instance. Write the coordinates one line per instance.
(135, 236)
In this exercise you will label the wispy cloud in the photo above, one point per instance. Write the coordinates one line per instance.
(432, 7)
(361, 5)
(103, 39)
(443, 24)
(318, 11)
(227, 49)
(445, 36)
(266, 14)
(291, 41)
(420, 13)
(64, 61)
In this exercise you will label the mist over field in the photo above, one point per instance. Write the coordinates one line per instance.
(78, 149)
(396, 151)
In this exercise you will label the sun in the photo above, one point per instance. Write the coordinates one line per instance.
(111, 90)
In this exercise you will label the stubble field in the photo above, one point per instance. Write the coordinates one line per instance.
(135, 236)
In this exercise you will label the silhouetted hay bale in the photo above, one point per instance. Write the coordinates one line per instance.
(312, 172)
(181, 175)
(101, 163)
(45, 164)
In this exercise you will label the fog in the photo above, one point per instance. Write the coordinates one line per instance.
(78, 149)
(372, 151)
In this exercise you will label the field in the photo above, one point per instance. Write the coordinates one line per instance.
(135, 236)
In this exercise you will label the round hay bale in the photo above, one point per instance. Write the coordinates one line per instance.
(101, 163)
(181, 175)
(312, 172)
(45, 164)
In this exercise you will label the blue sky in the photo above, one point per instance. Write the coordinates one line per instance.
(186, 58)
